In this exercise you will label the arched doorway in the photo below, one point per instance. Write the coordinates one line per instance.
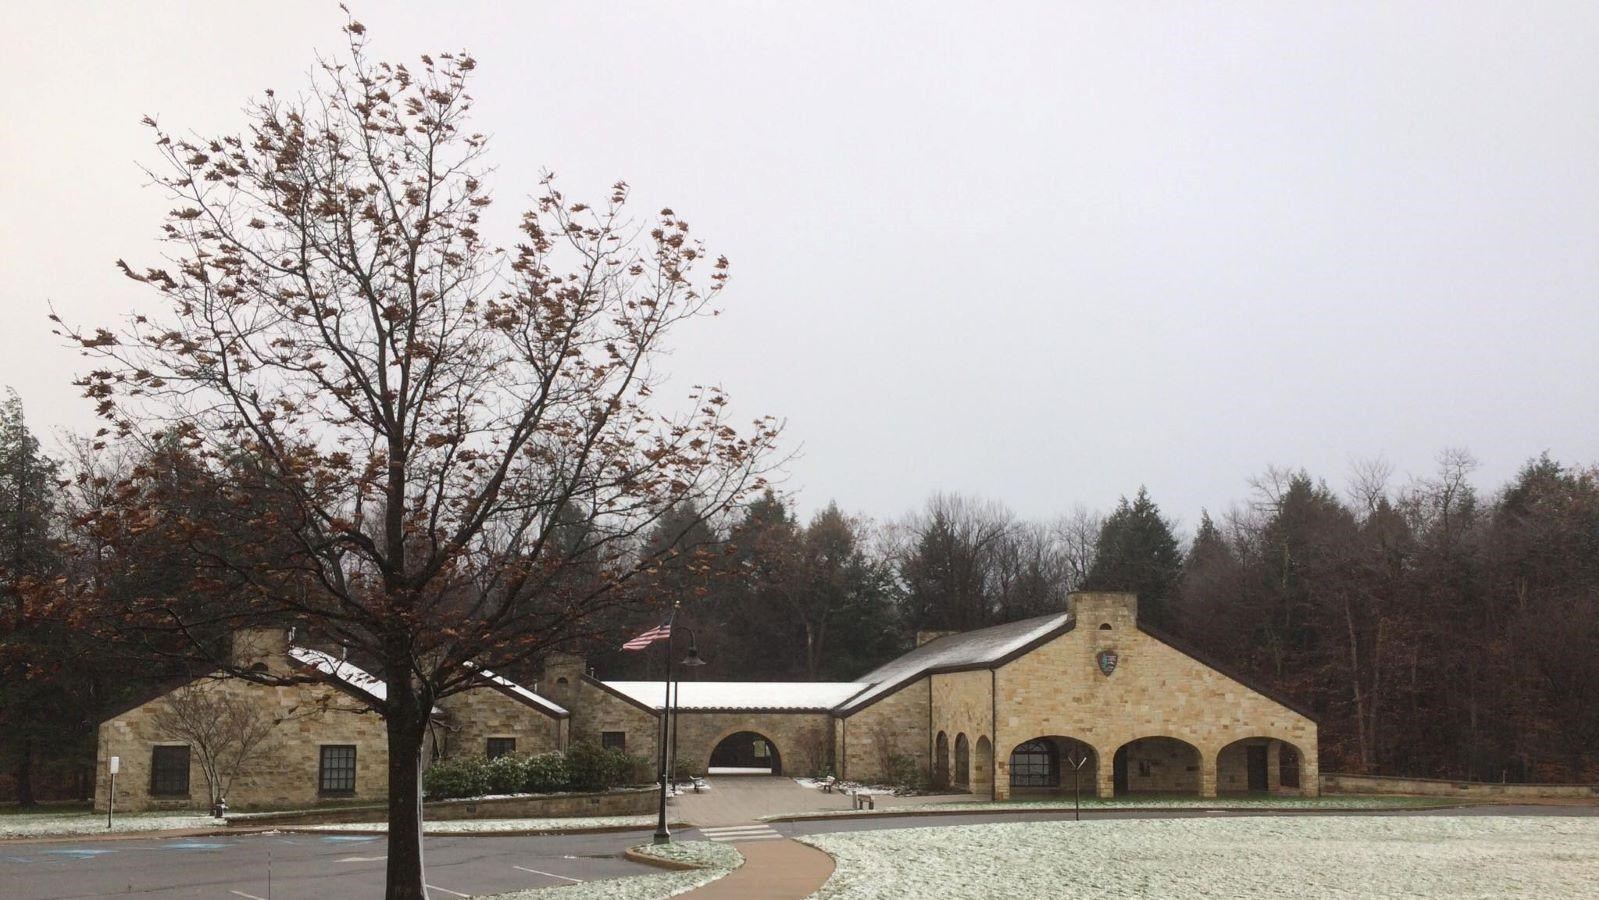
(1156, 765)
(1258, 765)
(963, 762)
(941, 761)
(1049, 764)
(745, 753)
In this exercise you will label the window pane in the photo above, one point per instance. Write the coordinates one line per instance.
(169, 771)
(1034, 764)
(613, 740)
(499, 747)
(338, 770)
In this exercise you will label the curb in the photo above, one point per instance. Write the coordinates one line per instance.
(902, 812)
(118, 835)
(675, 865)
(510, 832)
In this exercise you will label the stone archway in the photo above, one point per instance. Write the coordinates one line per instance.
(745, 753)
(1259, 765)
(941, 761)
(1158, 765)
(983, 766)
(1052, 764)
(963, 762)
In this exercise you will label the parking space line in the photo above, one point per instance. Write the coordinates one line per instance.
(247, 896)
(551, 874)
(434, 887)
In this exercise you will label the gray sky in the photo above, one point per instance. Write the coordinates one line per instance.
(1041, 253)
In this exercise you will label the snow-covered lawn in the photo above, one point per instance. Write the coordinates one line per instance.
(717, 860)
(14, 825)
(900, 806)
(491, 826)
(1460, 857)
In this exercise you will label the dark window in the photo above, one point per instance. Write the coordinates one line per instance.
(169, 772)
(1034, 764)
(613, 740)
(1104, 626)
(499, 747)
(338, 770)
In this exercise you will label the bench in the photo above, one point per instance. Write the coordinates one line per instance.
(864, 799)
(827, 784)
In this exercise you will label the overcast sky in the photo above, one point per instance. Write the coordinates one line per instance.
(1042, 253)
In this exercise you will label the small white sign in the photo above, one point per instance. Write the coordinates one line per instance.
(116, 764)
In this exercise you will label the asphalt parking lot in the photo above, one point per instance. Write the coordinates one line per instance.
(290, 866)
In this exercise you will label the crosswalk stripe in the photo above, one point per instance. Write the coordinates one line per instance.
(728, 834)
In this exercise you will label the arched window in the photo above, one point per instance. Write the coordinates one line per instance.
(1104, 626)
(1035, 764)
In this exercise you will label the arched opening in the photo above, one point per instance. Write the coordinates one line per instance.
(1156, 765)
(963, 762)
(1258, 766)
(745, 753)
(1052, 764)
(983, 766)
(941, 761)
(1104, 626)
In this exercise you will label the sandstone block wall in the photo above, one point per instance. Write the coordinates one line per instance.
(963, 705)
(896, 724)
(596, 710)
(803, 739)
(481, 713)
(283, 771)
(1154, 691)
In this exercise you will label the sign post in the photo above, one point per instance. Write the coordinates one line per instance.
(114, 764)
(1077, 774)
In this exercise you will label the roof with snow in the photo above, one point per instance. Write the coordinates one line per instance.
(976, 649)
(742, 694)
(521, 693)
(343, 670)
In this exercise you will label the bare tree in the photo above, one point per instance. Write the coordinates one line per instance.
(420, 446)
(225, 729)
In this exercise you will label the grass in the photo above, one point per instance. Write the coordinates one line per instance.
(714, 859)
(53, 823)
(1147, 801)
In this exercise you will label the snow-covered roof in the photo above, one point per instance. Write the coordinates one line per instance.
(342, 669)
(742, 694)
(522, 692)
(972, 648)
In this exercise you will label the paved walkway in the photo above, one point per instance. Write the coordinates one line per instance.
(772, 870)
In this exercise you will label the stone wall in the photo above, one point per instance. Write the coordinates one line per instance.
(596, 710)
(1154, 691)
(283, 771)
(895, 724)
(803, 739)
(484, 712)
(624, 802)
(1333, 783)
(963, 704)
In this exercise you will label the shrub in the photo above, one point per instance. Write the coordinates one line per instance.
(592, 768)
(546, 774)
(905, 773)
(506, 774)
(447, 779)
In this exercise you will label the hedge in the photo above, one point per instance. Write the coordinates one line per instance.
(583, 767)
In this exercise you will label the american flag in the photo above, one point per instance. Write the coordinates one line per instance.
(659, 633)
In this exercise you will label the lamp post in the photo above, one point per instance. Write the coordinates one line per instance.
(691, 661)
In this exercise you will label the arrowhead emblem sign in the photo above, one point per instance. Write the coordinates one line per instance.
(1107, 662)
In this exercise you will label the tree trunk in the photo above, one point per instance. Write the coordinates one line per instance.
(406, 725)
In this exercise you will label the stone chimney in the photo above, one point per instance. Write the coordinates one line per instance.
(562, 674)
(923, 637)
(1094, 609)
(261, 647)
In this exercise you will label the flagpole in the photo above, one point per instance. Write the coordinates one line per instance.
(662, 835)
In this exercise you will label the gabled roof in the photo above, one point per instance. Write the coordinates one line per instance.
(348, 674)
(517, 692)
(742, 695)
(980, 649)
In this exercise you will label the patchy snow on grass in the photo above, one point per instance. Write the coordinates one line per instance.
(73, 824)
(890, 808)
(716, 859)
(492, 826)
(1460, 857)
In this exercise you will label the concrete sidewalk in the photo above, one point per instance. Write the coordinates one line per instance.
(772, 870)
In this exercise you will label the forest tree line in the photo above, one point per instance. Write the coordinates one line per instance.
(1437, 632)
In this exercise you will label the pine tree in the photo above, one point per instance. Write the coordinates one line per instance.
(1137, 552)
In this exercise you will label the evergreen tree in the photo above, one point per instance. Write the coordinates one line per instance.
(1137, 552)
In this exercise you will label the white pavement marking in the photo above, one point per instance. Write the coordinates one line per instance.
(247, 896)
(551, 874)
(434, 887)
(733, 833)
(363, 859)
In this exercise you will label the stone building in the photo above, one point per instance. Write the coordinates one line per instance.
(1087, 696)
